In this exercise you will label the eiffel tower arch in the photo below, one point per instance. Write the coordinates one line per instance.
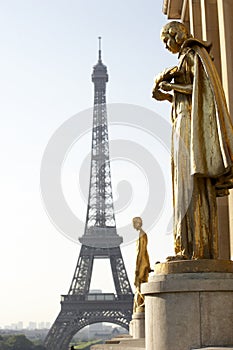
(100, 240)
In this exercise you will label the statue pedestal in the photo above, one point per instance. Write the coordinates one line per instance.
(137, 325)
(189, 304)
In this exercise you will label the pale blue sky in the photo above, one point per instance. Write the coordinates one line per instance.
(48, 49)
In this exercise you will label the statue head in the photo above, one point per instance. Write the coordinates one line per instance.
(137, 223)
(173, 35)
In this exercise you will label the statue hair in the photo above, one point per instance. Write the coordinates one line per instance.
(177, 30)
(137, 218)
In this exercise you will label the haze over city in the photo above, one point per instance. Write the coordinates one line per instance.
(48, 51)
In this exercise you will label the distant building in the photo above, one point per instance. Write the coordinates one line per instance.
(95, 291)
(41, 325)
(93, 329)
(47, 325)
(32, 325)
(20, 325)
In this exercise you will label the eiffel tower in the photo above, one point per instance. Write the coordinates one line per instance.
(79, 307)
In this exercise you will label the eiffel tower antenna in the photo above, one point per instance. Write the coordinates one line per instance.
(100, 240)
(100, 60)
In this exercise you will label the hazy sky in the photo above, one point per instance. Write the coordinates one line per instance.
(48, 49)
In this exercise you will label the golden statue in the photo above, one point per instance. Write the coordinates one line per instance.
(142, 265)
(202, 142)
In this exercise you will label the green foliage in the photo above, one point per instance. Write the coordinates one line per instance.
(18, 342)
(86, 345)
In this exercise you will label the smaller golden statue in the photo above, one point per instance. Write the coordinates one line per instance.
(142, 265)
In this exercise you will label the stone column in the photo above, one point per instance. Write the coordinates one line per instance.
(210, 28)
(195, 18)
(211, 32)
(131, 328)
(185, 14)
(225, 11)
(138, 325)
(189, 305)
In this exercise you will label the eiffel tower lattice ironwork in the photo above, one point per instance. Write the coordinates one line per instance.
(79, 307)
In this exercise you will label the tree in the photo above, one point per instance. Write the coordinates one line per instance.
(17, 342)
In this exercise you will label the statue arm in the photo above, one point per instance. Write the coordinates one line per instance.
(186, 89)
(166, 75)
(183, 89)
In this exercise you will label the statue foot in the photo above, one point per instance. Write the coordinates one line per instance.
(176, 257)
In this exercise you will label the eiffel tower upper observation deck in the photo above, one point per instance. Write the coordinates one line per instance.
(79, 307)
(100, 230)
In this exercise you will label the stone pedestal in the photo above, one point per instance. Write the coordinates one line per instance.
(187, 310)
(137, 325)
(131, 328)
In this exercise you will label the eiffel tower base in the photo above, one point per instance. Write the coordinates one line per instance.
(76, 314)
(80, 308)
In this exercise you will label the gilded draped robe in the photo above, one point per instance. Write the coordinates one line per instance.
(202, 153)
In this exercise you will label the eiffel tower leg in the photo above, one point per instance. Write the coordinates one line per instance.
(64, 328)
(57, 334)
(82, 275)
(119, 273)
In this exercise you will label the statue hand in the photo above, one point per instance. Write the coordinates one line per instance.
(161, 96)
(167, 75)
(165, 86)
